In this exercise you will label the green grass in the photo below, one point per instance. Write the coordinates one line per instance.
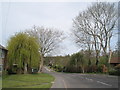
(41, 80)
(0, 82)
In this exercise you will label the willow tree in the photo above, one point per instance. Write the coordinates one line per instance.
(23, 51)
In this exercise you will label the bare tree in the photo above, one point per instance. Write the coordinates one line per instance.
(98, 21)
(86, 32)
(105, 18)
(48, 40)
(83, 40)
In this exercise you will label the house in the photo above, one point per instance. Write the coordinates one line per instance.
(3, 57)
(115, 61)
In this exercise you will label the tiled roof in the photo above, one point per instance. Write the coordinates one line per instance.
(115, 60)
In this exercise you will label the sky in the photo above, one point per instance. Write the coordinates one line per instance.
(19, 16)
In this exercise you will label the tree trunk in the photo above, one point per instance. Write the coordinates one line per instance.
(41, 64)
(110, 52)
(97, 61)
(83, 71)
(25, 69)
(110, 55)
(97, 58)
(105, 53)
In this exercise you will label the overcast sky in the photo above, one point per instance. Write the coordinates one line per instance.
(18, 16)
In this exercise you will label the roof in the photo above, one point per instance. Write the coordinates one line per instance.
(1, 47)
(115, 60)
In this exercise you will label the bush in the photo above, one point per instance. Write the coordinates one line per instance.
(115, 70)
(12, 71)
(100, 68)
(73, 69)
(4, 72)
(117, 67)
(93, 68)
(57, 68)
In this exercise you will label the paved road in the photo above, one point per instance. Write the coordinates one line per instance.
(77, 80)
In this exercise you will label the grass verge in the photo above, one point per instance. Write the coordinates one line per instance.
(41, 80)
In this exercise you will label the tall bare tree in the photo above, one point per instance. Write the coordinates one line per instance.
(105, 16)
(86, 32)
(48, 39)
(98, 21)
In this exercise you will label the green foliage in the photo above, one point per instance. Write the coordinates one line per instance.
(115, 70)
(58, 68)
(91, 69)
(117, 67)
(76, 59)
(100, 68)
(4, 73)
(103, 60)
(57, 63)
(58, 60)
(77, 63)
(23, 49)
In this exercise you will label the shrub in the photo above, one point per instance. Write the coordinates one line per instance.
(4, 72)
(94, 68)
(115, 70)
(100, 68)
(117, 67)
(57, 68)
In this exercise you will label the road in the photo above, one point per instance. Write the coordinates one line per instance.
(77, 80)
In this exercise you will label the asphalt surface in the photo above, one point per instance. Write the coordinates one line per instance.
(77, 80)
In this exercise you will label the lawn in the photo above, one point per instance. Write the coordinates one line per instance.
(41, 80)
(0, 82)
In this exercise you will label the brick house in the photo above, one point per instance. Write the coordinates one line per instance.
(3, 57)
